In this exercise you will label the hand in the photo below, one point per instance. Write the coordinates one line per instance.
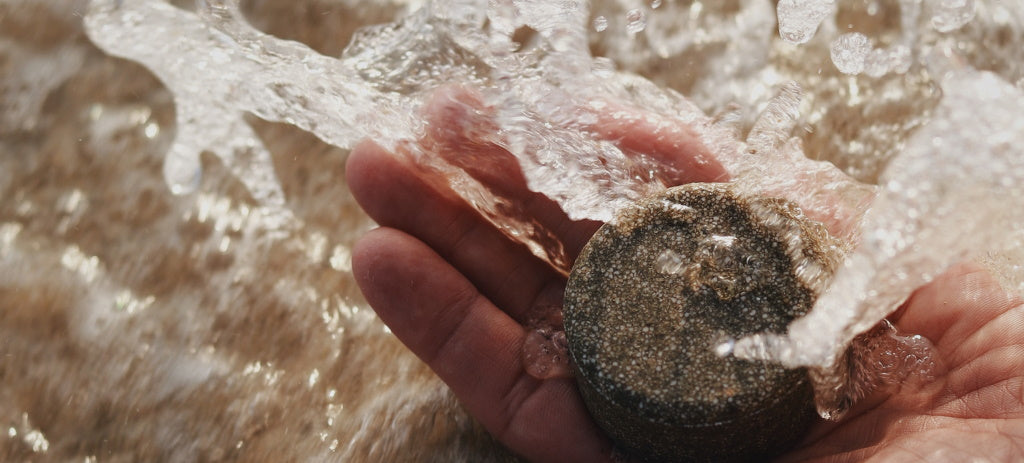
(457, 292)
(972, 411)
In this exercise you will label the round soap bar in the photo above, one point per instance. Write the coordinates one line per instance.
(654, 302)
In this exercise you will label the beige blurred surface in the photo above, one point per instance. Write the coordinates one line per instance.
(140, 326)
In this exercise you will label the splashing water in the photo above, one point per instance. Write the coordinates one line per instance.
(919, 201)
(921, 114)
(546, 99)
(799, 20)
(951, 15)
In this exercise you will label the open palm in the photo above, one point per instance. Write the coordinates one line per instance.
(457, 292)
(972, 411)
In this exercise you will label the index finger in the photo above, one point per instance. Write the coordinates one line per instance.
(475, 348)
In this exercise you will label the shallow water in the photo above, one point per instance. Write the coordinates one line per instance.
(137, 325)
(223, 323)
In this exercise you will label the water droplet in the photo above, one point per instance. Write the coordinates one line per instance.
(799, 20)
(723, 286)
(636, 21)
(600, 23)
(720, 249)
(717, 265)
(872, 8)
(679, 211)
(849, 52)
(182, 172)
(546, 353)
(876, 63)
(151, 130)
(655, 4)
(951, 15)
(725, 346)
(900, 59)
(669, 262)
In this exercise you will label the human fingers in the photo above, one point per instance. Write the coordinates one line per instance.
(960, 311)
(395, 195)
(978, 331)
(674, 145)
(462, 131)
(474, 347)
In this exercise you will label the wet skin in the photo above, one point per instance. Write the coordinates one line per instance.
(457, 291)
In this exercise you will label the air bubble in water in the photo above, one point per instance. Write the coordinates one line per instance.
(636, 21)
(546, 354)
(600, 24)
(884, 359)
(850, 51)
(546, 350)
(951, 15)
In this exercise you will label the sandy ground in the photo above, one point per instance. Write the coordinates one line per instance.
(136, 325)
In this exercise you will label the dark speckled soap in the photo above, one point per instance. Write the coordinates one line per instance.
(653, 302)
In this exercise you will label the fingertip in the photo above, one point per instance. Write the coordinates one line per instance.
(396, 272)
(365, 253)
(362, 167)
(390, 188)
(382, 250)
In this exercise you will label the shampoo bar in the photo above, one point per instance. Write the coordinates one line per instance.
(654, 302)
